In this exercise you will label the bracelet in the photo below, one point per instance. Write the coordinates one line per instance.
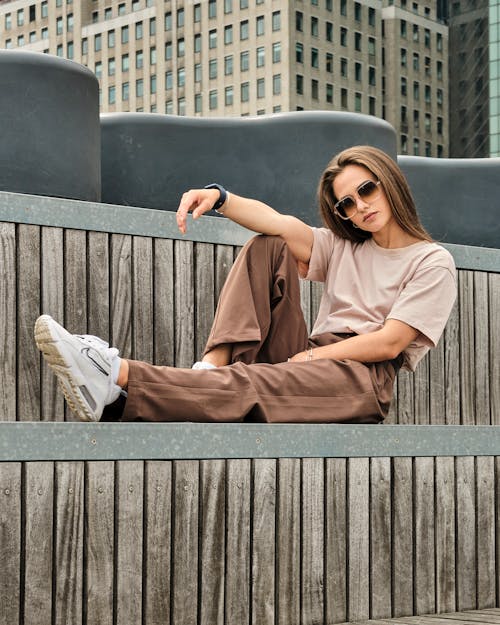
(309, 354)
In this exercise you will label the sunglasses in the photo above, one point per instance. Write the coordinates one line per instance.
(368, 191)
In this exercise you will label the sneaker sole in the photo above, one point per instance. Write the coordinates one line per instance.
(47, 342)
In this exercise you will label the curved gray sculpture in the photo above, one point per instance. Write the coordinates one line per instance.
(457, 199)
(49, 127)
(149, 160)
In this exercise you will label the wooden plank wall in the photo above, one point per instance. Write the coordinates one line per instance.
(246, 542)
(155, 299)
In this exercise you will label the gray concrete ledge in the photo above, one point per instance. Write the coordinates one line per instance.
(64, 213)
(23, 441)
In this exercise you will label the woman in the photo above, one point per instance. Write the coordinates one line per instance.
(388, 292)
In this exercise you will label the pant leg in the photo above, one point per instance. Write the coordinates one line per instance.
(318, 391)
(259, 312)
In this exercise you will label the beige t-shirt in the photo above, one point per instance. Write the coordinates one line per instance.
(365, 284)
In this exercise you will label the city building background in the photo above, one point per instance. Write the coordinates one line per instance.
(431, 69)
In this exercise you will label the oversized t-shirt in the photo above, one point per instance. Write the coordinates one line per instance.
(365, 284)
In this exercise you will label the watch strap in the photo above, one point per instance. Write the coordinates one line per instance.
(222, 197)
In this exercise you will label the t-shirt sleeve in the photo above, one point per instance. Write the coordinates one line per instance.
(321, 254)
(426, 302)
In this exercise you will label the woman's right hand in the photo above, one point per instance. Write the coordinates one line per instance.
(196, 201)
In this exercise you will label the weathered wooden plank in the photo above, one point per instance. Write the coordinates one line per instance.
(494, 329)
(28, 309)
(184, 303)
(452, 367)
(402, 537)
(52, 294)
(238, 561)
(421, 386)
(99, 542)
(437, 385)
(98, 285)
(75, 287)
(466, 533)
(10, 542)
(380, 537)
(425, 582)
(288, 541)
(142, 299)
(164, 302)
(68, 579)
(313, 540)
(336, 540)
(213, 529)
(305, 301)
(392, 417)
(358, 538)
(121, 294)
(406, 399)
(8, 330)
(445, 534)
(38, 542)
(185, 543)
(264, 542)
(467, 373)
(481, 349)
(204, 295)
(486, 574)
(497, 516)
(157, 542)
(316, 294)
(129, 485)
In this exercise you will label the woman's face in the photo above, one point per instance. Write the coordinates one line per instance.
(371, 214)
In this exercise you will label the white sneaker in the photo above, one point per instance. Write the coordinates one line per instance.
(83, 366)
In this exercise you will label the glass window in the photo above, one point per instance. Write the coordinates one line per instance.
(343, 37)
(343, 68)
(416, 61)
(59, 27)
(244, 61)
(125, 63)
(98, 69)
(212, 38)
(97, 43)
(168, 21)
(228, 6)
(45, 35)
(108, 13)
(139, 59)
(152, 27)
(228, 96)
(427, 94)
(70, 50)
(259, 22)
(415, 32)
(357, 41)
(329, 31)
(372, 78)
(343, 7)
(180, 18)
(277, 52)
(70, 22)
(197, 72)
(197, 13)
(329, 93)
(404, 88)
(440, 125)
(439, 97)
(314, 89)
(357, 102)
(8, 44)
(212, 68)
(403, 56)
(314, 27)
(20, 17)
(8, 21)
(329, 5)
(212, 8)
(139, 87)
(439, 68)
(439, 42)
(111, 67)
(181, 50)
(371, 16)
(125, 91)
(181, 106)
(243, 4)
(357, 71)
(299, 84)
(244, 30)
(299, 52)
(228, 65)
(416, 90)
(245, 91)
(169, 107)
(228, 34)
(197, 103)
(111, 39)
(112, 94)
(357, 11)
(329, 62)
(416, 146)
(276, 20)
(299, 21)
(181, 77)
(427, 38)
(371, 46)
(343, 98)
(138, 30)
(416, 119)
(197, 43)
(20, 42)
(402, 28)
(260, 88)
(152, 56)
(45, 8)
(314, 57)
(168, 50)
(95, 16)
(125, 34)
(260, 56)
(121, 9)
(277, 84)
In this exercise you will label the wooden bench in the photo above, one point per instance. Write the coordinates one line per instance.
(468, 617)
(235, 524)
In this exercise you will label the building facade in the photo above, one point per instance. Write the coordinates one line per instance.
(250, 57)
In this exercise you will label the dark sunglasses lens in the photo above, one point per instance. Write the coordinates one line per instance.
(346, 206)
(368, 190)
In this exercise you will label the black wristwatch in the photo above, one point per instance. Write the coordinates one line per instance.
(222, 197)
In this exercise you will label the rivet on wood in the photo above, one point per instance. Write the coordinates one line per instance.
(93, 441)
(258, 441)
(40, 491)
(131, 488)
(100, 489)
(7, 491)
(186, 487)
(158, 489)
(70, 491)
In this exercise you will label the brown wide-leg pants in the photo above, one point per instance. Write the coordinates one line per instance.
(260, 316)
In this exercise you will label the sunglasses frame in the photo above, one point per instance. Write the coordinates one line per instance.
(377, 184)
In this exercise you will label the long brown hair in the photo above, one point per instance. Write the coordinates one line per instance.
(392, 181)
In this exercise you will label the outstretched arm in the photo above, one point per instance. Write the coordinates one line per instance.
(384, 344)
(251, 214)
